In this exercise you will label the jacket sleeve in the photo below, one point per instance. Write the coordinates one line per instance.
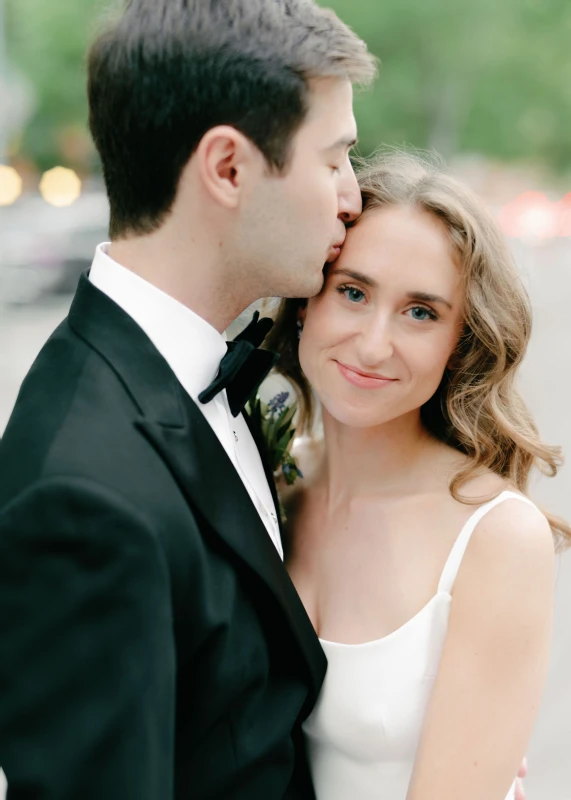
(87, 657)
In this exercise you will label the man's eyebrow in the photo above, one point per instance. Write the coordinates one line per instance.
(343, 144)
(420, 297)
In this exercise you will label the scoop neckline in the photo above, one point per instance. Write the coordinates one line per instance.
(390, 635)
(405, 625)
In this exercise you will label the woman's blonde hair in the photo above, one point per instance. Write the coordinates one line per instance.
(477, 408)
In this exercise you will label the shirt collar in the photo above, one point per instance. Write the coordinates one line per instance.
(191, 346)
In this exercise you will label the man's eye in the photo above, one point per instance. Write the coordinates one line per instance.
(351, 293)
(422, 314)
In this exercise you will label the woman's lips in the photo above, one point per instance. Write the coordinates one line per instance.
(363, 380)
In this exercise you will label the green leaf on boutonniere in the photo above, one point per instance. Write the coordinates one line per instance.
(275, 421)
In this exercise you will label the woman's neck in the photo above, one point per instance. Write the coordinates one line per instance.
(386, 460)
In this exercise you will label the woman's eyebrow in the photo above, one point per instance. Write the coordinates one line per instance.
(418, 296)
(357, 276)
(426, 297)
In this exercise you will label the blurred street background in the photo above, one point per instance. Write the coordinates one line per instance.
(486, 84)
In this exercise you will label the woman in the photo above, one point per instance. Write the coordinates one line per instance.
(426, 571)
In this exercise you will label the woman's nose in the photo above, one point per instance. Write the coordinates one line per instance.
(375, 343)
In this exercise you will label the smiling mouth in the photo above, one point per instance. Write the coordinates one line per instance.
(363, 380)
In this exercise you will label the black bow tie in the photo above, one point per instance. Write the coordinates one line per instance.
(244, 366)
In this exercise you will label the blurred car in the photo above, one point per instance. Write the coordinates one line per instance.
(44, 249)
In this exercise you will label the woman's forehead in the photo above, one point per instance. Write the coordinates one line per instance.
(399, 242)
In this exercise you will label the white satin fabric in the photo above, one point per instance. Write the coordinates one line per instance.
(363, 733)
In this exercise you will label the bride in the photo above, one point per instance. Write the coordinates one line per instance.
(426, 570)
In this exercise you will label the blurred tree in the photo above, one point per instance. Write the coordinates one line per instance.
(489, 77)
(47, 42)
(461, 76)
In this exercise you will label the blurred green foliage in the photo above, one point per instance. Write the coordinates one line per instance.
(47, 41)
(490, 77)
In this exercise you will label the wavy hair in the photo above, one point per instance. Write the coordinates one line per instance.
(477, 408)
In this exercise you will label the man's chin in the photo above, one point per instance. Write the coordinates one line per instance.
(303, 284)
(317, 286)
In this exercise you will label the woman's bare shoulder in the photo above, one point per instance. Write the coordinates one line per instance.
(516, 531)
(481, 485)
(511, 520)
(512, 553)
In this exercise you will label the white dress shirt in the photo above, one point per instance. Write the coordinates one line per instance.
(193, 350)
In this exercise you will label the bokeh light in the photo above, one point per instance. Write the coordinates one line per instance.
(532, 215)
(565, 216)
(60, 187)
(10, 185)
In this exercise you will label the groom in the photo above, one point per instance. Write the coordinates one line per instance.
(152, 644)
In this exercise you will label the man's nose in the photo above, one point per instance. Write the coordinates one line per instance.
(350, 203)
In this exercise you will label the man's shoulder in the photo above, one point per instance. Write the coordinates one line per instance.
(65, 372)
(57, 370)
(72, 416)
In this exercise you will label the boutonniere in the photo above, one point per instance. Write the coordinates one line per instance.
(275, 420)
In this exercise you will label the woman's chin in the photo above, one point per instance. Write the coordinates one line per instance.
(353, 417)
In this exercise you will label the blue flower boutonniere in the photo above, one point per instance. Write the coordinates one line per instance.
(275, 420)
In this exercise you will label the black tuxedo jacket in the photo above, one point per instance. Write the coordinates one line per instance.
(152, 645)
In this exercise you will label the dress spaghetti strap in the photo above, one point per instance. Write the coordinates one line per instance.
(457, 553)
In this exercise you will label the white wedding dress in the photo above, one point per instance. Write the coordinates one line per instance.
(363, 733)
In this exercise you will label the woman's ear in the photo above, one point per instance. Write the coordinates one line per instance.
(301, 312)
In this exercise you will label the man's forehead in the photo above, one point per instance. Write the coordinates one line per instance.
(331, 98)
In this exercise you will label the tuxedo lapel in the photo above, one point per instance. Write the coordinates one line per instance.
(213, 486)
(180, 434)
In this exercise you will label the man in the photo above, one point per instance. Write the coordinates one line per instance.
(152, 643)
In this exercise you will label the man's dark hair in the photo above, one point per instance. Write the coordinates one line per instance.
(167, 71)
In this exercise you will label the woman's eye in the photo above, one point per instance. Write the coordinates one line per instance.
(421, 313)
(351, 293)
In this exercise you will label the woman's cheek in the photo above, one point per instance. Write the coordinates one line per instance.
(321, 332)
(428, 373)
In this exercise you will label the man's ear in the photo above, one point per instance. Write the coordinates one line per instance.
(224, 160)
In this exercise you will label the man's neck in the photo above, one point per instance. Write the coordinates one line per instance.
(186, 273)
